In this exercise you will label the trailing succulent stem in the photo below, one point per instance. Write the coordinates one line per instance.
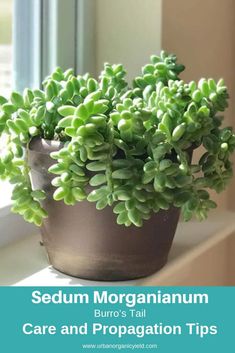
(125, 147)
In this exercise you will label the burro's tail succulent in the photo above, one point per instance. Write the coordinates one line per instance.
(125, 147)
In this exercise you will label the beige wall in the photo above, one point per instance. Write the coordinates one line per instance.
(201, 33)
(127, 31)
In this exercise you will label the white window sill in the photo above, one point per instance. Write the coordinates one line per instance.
(24, 262)
(5, 192)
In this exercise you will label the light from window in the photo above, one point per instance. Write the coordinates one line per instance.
(5, 46)
(6, 7)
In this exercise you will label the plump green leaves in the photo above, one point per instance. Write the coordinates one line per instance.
(129, 148)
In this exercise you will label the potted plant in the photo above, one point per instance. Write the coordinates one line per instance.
(104, 169)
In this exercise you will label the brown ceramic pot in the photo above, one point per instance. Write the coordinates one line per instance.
(86, 243)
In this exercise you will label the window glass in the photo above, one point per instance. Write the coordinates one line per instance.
(5, 46)
(6, 7)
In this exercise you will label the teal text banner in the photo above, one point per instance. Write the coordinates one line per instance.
(112, 319)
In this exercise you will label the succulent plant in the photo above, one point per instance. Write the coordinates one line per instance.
(129, 148)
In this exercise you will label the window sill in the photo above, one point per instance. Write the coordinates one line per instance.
(192, 240)
(6, 190)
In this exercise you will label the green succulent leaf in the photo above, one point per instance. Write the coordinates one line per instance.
(123, 146)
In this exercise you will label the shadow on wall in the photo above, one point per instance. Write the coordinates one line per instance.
(201, 33)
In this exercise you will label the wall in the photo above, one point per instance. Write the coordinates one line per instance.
(127, 31)
(201, 33)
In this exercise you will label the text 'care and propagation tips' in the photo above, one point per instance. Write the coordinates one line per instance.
(117, 318)
(132, 308)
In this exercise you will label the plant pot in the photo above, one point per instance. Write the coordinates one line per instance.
(86, 243)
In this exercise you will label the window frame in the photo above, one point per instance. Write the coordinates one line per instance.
(42, 32)
(47, 34)
(26, 44)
